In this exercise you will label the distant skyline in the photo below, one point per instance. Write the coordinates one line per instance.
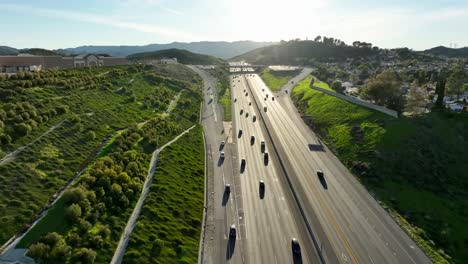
(53, 24)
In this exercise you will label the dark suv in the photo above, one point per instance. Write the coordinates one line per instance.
(296, 248)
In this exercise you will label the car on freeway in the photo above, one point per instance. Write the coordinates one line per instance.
(263, 89)
(222, 155)
(262, 146)
(242, 163)
(320, 174)
(241, 111)
(262, 186)
(254, 118)
(227, 188)
(265, 158)
(286, 91)
(235, 100)
(246, 114)
(240, 133)
(265, 108)
(246, 94)
(232, 232)
(272, 98)
(250, 103)
(266, 95)
(252, 140)
(296, 248)
(244, 90)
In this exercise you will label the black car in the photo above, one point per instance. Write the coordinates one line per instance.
(252, 140)
(320, 174)
(265, 158)
(227, 188)
(232, 231)
(296, 248)
(240, 132)
(242, 163)
(262, 186)
(262, 146)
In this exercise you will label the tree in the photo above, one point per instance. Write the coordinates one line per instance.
(22, 129)
(73, 213)
(384, 89)
(91, 135)
(416, 99)
(85, 256)
(336, 85)
(74, 195)
(39, 251)
(440, 91)
(456, 80)
(51, 238)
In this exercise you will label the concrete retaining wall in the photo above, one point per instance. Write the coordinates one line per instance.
(358, 102)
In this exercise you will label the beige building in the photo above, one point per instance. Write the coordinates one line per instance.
(27, 62)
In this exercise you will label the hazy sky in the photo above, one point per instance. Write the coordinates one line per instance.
(417, 24)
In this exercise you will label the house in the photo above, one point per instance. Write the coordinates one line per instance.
(455, 107)
(87, 60)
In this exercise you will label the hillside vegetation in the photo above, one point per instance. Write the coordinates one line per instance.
(416, 167)
(89, 107)
(302, 52)
(224, 90)
(183, 56)
(276, 79)
(448, 52)
(168, 229)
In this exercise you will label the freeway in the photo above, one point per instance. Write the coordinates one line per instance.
(271, 216)
(350, 225)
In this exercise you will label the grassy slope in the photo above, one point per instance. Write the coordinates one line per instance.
(183, 116)
(224, 90)
(276, 80)
(40, 170)
(168, 229)
(415, 172)
(44, 167)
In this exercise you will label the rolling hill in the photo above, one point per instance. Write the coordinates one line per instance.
(448, 52)
(302, 52)
(5, 50)
(220, 49)
(183, 56)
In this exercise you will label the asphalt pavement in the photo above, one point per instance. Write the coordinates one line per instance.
(350, 225)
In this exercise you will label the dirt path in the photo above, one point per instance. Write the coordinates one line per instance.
(121, 247)
(15, 153)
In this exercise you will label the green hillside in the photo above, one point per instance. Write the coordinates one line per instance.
(303, 52)
(276, 79)
(416, 166)
(122, 108)
(183, 56)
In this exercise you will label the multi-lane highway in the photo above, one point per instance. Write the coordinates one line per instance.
(272, 218)
(333, 217)
(350, 225)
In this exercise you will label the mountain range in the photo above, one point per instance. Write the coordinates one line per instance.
(220, 49)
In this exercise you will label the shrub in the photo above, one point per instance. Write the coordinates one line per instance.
(73, 213)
